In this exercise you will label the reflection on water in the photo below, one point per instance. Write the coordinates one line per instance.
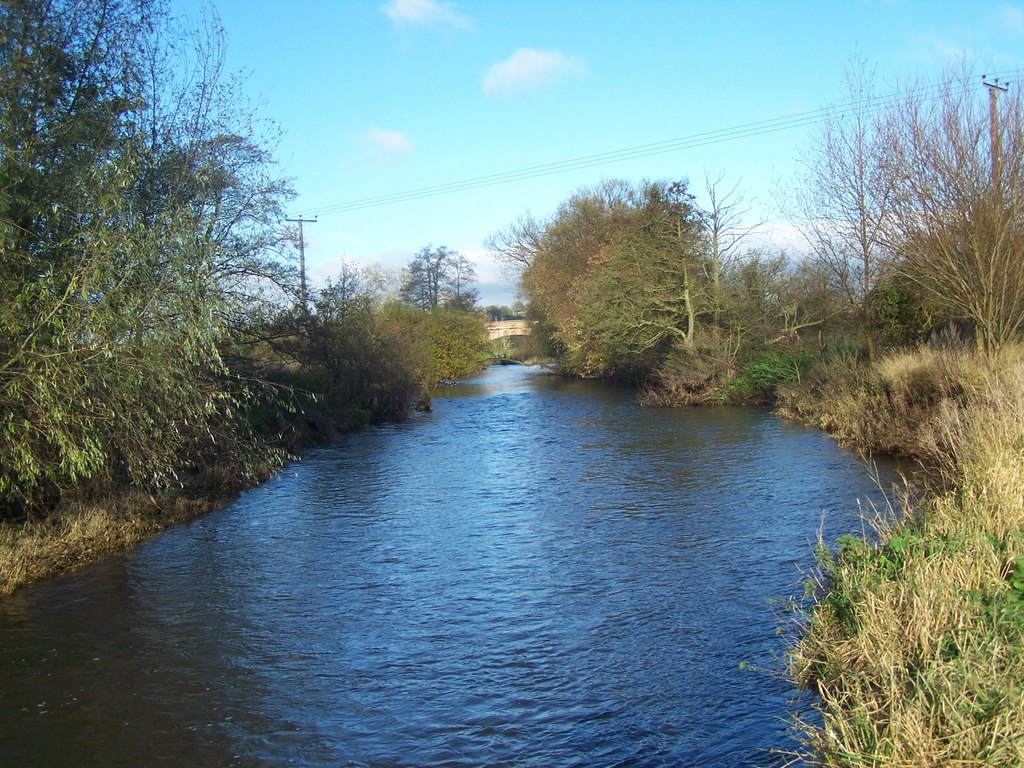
(537, 573)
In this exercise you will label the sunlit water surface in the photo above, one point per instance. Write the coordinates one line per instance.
(537, 573)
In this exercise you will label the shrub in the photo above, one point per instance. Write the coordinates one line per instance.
(761, 378)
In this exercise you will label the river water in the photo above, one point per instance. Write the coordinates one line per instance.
(537, 573)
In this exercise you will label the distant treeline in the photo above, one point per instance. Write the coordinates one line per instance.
(151, 323)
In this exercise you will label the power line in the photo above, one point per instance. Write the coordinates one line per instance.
(747, 130)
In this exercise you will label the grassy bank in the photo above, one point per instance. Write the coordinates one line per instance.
(84, 527)
(88, 524)
(77, 533)
(914, 641)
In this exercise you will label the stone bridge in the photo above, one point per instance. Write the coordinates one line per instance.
(501, 328)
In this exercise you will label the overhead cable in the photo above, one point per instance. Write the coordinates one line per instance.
(872, 105)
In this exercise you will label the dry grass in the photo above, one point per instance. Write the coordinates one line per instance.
(76, 534)
(887, 408)
(916, 646)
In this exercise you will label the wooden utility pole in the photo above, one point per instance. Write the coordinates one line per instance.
(304, 297)
(995, 87)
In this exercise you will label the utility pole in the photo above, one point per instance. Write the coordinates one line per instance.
(302, 263)
(995, 87)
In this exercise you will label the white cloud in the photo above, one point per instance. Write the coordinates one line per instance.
(494, 287)
(780, 235)
(428, 13)
(528, 69)
(487, 268)
(383, 145)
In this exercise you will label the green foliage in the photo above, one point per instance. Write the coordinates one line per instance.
(130, 225)
(516, 312)
(351, 362)
(332, 373)
(617, 279)
(458, 343)
(503, 349)
(768, 371)
(1016, 580)
(637, 283)
(897, 315)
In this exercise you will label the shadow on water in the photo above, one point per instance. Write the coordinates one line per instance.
(537, 573)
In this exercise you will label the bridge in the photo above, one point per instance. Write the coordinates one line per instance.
(501, 328)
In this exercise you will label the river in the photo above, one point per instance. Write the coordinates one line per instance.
(538, 572)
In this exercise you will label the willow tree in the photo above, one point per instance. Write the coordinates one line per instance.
(137, 203)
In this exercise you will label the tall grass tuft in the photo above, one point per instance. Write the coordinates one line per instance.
(915, 644)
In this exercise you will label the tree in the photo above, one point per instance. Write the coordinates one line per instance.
(458, 343)
(648, 294)
(724, 231)
(133, 210)
(619, 277)
(575, 241)
(444, 345)
(349, 361)
(957, 216)
(339, 296)
(439, 277)
(517, 245)
(461, 293)
(844, 196)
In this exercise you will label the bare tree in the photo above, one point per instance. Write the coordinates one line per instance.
(517, 245)
(461, 277)
(725, 231)
(958, 212)
(844, 196)
(381, 282)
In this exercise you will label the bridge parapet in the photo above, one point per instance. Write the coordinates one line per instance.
(502, 328)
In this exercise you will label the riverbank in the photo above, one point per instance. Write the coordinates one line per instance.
(914, 639)
(78, 533)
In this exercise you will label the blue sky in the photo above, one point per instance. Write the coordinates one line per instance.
(380, 97)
